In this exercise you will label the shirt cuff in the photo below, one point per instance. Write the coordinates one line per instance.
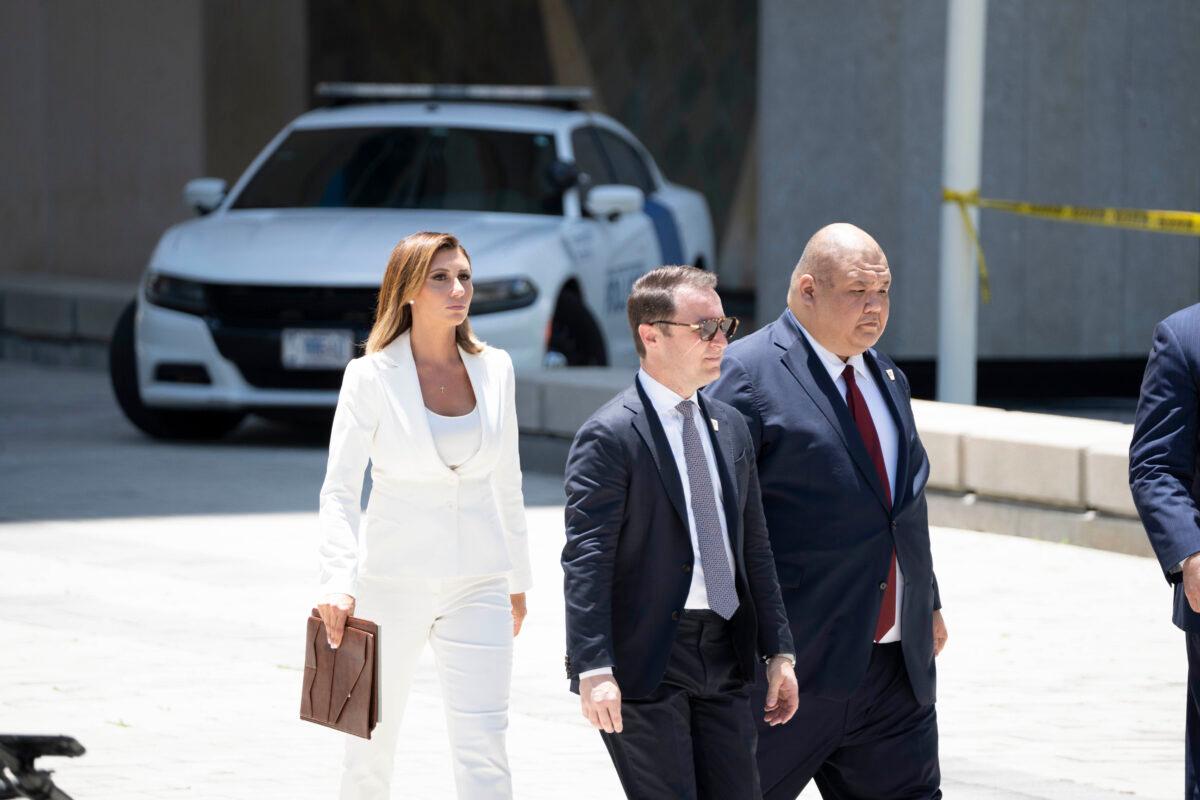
(789, 656)
(1175, 570)
(520, 580)
(338, 586)
(597, 671)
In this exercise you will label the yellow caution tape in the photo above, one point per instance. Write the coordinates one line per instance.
(1184, 223)
(962, 201)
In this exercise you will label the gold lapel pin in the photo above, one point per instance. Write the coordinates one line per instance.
(891, 375)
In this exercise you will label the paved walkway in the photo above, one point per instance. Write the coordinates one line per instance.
(170, 644)
(170, 648)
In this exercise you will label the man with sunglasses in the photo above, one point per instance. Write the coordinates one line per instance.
(670, 583)
(843, 480)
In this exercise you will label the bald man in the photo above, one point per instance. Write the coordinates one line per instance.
(843, 477)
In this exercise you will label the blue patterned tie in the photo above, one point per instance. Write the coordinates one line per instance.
(722, 594)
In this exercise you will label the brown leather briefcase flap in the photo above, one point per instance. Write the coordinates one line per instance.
(341, 687)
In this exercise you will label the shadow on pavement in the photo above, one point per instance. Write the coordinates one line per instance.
(66, 452)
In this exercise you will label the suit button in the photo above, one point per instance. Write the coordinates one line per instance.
(687, 567)
(883, 586)
(675, 615)
(893, 524)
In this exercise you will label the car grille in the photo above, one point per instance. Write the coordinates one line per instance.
(285, 306)
(247, 321)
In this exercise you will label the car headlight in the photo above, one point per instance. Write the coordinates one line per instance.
(177, 293)
(502, 295)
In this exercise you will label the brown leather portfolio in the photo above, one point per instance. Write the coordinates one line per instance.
(341, 687)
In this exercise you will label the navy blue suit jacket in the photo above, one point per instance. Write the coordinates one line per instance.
(1163, 474)
(831, 530)
(628, 557)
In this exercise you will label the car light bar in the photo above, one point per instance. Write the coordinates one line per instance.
(564, 96)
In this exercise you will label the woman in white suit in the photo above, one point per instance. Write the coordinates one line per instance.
(440, 556)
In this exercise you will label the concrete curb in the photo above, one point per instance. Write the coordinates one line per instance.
(68, 309)
(1061, 479)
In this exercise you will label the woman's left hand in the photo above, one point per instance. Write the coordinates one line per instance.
(518, 611)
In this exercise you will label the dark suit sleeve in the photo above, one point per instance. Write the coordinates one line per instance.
(920, 459)
(734, 387)
(1162, 455)
(596, 483)
(774, 635)
(919, 456)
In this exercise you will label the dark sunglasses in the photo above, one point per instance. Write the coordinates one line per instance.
(707, 327)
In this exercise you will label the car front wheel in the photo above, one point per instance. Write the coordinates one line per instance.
(159, 423)
(575, 338)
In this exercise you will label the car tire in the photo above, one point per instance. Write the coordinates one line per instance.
(574, 334)
(161, 424)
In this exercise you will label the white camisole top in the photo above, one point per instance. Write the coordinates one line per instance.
(456, 438)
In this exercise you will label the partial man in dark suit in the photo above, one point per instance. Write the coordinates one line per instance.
(843, 477)
(1165, 481)
(670, 585)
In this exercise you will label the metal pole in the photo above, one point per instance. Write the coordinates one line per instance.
(962, 135)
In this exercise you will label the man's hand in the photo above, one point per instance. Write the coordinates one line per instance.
(600, 698)
(334, 610)
(518, 611)
(939, 632)
(1191, 581)
(783, 693)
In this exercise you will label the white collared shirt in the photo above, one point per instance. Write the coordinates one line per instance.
(885, 427)
(664, 402)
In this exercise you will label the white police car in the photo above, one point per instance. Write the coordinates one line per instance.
(259, 304)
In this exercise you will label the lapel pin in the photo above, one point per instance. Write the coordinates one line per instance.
(891, 375)
(716, 427)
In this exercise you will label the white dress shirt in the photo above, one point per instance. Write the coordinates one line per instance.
(885, 427)
(664, 402)
(456, 438)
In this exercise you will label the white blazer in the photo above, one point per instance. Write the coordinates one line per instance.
(423, 519)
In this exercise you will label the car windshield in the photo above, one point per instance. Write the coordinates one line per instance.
(463, 169)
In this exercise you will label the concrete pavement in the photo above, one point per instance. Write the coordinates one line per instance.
(154, 599)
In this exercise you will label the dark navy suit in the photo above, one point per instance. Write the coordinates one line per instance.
(628, 561)
(1165, 482)
(832, 532)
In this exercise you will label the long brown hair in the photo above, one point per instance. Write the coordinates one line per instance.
(407, 269)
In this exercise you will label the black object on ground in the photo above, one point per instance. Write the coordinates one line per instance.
(18, 775)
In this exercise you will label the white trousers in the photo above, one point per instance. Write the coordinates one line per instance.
(468, 622)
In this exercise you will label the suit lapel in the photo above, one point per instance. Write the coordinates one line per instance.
(477, 373)
(724, 448)
(646, 423)
(405, 396)
(891, 393)
(808, 370)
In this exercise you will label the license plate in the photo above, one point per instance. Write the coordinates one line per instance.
(316, 349)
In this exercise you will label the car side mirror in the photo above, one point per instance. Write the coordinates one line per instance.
(204, 194)
(611, 200)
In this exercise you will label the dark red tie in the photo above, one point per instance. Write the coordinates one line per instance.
(866, 428)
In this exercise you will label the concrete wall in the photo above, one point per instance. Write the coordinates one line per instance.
(1086, 102)
(107, 127)
(109, 108)
(255, 78)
